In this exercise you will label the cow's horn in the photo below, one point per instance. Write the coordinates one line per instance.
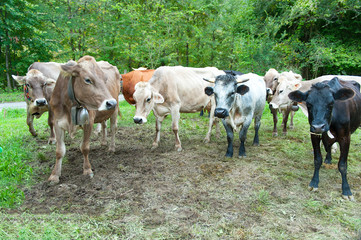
(240, 80)
(207, 80)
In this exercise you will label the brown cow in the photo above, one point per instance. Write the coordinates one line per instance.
(38, 85)
(132, 78)
(83, 88)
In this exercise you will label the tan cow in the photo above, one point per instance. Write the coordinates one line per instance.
(175, 90)
(83, 89)
(38, 86)
(272, 80)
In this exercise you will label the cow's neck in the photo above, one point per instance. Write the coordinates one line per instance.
(71, 93)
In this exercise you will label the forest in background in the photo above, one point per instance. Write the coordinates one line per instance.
(311, 37)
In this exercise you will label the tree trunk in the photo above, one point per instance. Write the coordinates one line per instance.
(187, 54)
(7, 56)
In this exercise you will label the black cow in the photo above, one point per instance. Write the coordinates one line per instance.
(334, 113)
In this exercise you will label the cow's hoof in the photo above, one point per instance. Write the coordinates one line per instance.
(242, 156)
(88, 173)
(349, 198)
(104, 143)
(178, 148)
(274, 134)
(112, 149)
(284, 133)
(312, 189)
(255, 144)
(51, 141)
(34, 134)
(154, 146)
(53, 179)
(292, 127)
(206, 140)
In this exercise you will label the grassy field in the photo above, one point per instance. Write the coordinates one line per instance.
(163, 194)
(12, 96)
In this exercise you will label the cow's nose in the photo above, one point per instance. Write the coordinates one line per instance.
(220, 112)
(319, 128)
(110, 104)
(273, 106)
(40, 102)
(138, 120)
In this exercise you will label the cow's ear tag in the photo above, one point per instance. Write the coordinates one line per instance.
(79, 115)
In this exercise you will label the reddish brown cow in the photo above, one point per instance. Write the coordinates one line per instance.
(132, 78)
(83, 89)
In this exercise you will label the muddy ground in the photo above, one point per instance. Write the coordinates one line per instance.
(260, 196)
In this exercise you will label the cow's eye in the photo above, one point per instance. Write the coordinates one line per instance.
(275, 79)
(44, 84)
(148, 100)
(88, 81)
(281, 91)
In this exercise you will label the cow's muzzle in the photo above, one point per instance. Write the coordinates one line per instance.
(318, 128)
(108, 105)
(139, 120)
(221, 112)
(40, 102)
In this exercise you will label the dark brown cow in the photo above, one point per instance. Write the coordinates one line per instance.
(334, 113)
(131, 79)
(91, 89)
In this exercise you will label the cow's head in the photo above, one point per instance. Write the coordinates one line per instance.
(320, 100)
(37, 90)
(287, 83)
(145, 97)
(88, 82)
(225, 89)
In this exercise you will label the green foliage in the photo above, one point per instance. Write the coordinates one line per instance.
(312, 37)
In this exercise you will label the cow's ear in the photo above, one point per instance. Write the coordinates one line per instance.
(296, 86)
(242, 89)
(50, 81)
(158, 98)
(19, 79)
(208, 91)
(70, 69)
(298, 96)
(343, 94)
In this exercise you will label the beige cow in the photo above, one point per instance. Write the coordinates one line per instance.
(38, 86)
(175, 90)
(94, 92)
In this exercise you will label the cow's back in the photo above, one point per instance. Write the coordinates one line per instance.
(49, 69)
(131, 79)
(184, 86)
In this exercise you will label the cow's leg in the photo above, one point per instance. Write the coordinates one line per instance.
(158, 126)
(104, 133)
(98, 129)
(85, 148)
(327, 143)
(243, 137)
(275, 120)
(317, 158)
(113, 129)
(257, 125)
(292, 113)
(229, 131)
(175, 126)
(285, 115)
(29, 121)
(60, 152)
(52, 139)
(342, 167)
(212, 120)
(218, 130)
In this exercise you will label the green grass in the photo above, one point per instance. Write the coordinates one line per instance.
(275, 203)
(11, 96)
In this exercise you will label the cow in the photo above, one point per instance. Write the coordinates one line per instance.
(84, 94)
(281, 98)
(38, 85)
(130, 79)
(174, 90)
(334, 113)
(237, 105)
(272, 80)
